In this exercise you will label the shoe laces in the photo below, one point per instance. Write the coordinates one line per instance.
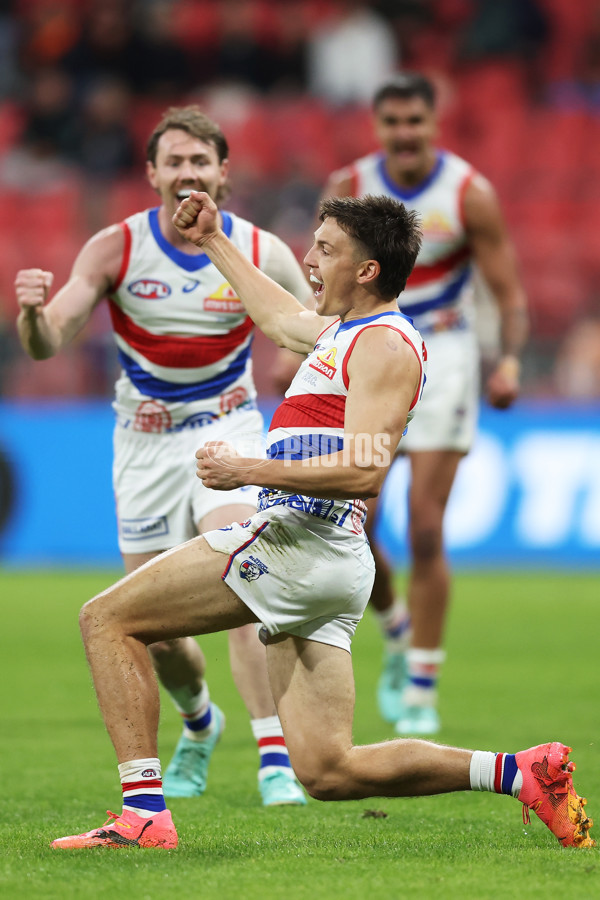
(111, 818)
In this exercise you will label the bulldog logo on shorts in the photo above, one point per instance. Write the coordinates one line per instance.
(253, 568)
(249, 570)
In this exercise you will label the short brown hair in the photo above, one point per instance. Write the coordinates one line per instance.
(385, 230)
(196, 123)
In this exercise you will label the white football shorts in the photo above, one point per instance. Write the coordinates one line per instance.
(446, 415)
(159, 498)
(298, 574)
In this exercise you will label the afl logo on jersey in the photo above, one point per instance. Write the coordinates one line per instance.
(149, 289)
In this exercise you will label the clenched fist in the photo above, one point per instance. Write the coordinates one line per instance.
(196, 218)
(32, 287)
(219, 466)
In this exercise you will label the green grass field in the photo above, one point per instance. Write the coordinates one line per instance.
(522, 669)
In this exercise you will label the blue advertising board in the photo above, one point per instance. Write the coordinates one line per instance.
(527, 495)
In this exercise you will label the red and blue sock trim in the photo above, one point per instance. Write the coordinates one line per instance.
(136, 795)
(505, 773)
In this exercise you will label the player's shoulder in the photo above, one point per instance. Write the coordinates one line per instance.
(393, 330)
(476, 191)
(238, 228)
(269, 241)
(103, 250)
(455, 166)
(384, 355)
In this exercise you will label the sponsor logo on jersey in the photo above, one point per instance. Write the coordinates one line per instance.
(436, 226)
(152, 417)
(224, 300)
(325, 362)
(190, 285)
(252, 568)
(149, 526)
(198, 420)
(232, 399)
(149, 289)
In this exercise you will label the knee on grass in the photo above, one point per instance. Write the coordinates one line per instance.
(323, 780)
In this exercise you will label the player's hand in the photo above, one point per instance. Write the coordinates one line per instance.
(32, 286)
(219, 466)
(196, 218)
(503, 383)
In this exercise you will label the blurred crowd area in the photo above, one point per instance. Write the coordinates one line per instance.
(83, 82)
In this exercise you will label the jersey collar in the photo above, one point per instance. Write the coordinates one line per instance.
(410, 193)
(184, 260)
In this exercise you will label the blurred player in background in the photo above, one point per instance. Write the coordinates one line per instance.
(184, 342)
(462, 226)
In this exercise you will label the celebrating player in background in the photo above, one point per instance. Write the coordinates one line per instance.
(301, 566)
(462, 225)
(184, 346)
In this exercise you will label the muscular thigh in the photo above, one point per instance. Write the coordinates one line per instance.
(178, 593)
(313, 688)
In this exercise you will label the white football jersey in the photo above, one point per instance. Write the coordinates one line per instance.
(310, 421)
(183, 335)
(439, 294)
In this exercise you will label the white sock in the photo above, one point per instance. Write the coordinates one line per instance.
(195, 710)
(141, 782)
(274, 756)
(394, 623)
(423, 669)
(495, 772)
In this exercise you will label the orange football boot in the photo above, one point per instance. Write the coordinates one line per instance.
(126, 830)
(548, 790)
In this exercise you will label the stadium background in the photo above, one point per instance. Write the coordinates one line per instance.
(82, 84)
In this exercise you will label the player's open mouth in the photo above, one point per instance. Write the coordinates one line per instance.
(320, 286)
(183, 193)
(406, 151)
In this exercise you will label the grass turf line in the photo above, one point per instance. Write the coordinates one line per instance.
(521, 670)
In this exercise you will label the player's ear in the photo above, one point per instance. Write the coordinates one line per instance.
(224, 167)
(151, 173)
(368, 271)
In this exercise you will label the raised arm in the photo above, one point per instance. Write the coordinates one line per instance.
(45, 328)
(276, 312)
(384, 375)
(494, 253)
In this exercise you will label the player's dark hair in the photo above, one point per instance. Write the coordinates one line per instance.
(384, 230)
(196, 123)
(405, 86)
